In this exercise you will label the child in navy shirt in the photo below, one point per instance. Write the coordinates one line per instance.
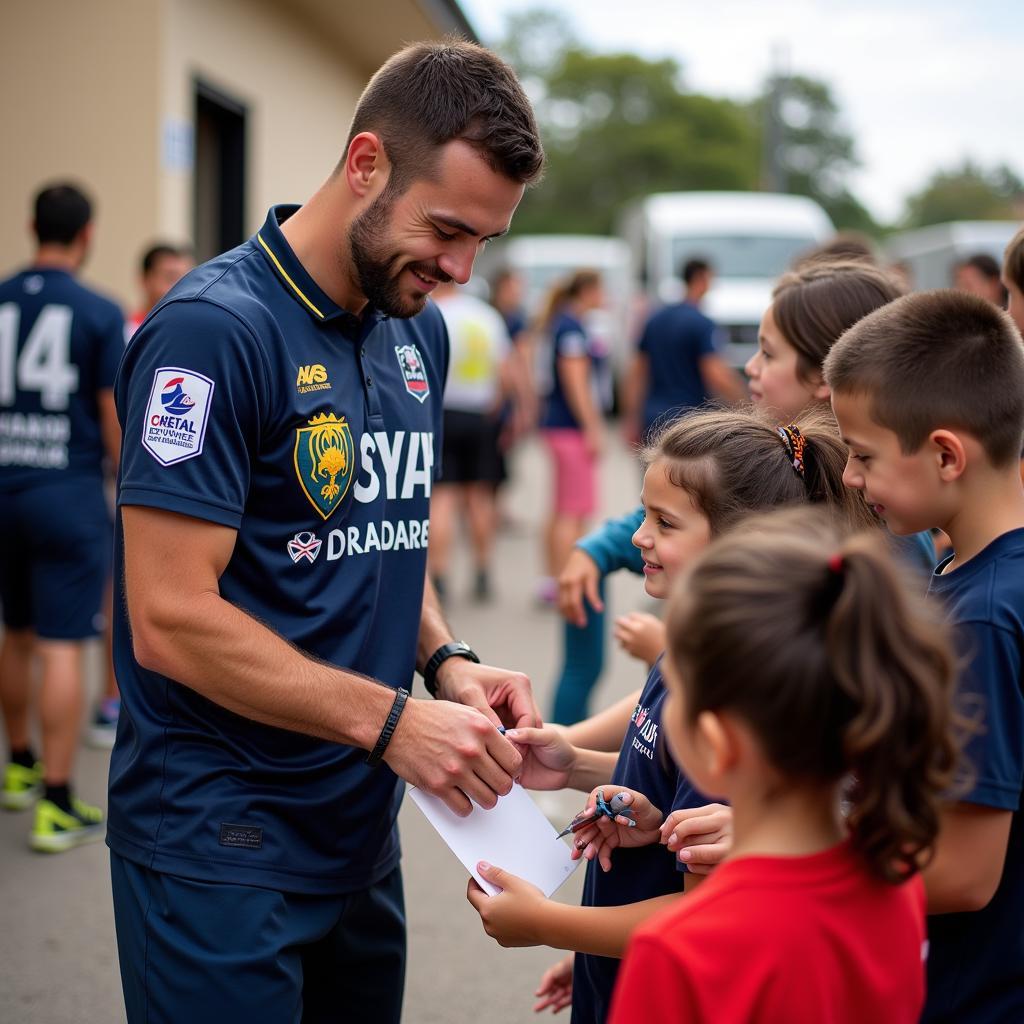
(929, 395)
(795, 662)
(704, 473)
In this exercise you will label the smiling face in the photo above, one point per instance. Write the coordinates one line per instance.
(904, 490)
(673, 533)
(403, 246)
(775, 384)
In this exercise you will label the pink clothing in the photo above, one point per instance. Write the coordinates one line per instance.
(575, 473)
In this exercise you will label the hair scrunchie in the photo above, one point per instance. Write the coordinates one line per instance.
(795, 443)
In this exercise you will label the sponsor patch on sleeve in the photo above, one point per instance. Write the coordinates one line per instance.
(177, 413)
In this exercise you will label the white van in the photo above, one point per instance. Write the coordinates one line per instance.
(931, 253)
(749, 238)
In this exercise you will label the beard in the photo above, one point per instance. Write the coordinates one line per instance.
(376, 263)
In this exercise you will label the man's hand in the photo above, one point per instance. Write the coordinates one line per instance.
(555, 989)
(578, 580)
(548, 757)
(512, 915)
(606, 834)
(505, 698)
(453, 752)
(700, 836)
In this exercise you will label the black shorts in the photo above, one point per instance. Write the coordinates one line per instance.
(471, 454)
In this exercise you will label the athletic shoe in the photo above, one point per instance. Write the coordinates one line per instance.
(55, 830)
(21, 786)
(104, 723)
(482, 586)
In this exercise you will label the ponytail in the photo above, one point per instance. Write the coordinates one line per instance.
(565, 290)
(837, 665)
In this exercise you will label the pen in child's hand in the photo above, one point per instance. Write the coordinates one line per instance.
(616, 806)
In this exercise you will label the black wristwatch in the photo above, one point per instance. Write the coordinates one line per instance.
(456, 649)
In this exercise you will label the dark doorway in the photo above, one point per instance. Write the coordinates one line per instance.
(219, 182)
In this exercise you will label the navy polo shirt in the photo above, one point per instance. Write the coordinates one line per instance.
(60, 344)
(675, 339)
(976, 960)
(568, 338)
(643, 872)
(249, 399)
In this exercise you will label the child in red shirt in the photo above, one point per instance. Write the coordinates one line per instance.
(801, 669)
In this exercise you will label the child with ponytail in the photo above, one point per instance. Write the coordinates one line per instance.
(705, 473)
(796, 662)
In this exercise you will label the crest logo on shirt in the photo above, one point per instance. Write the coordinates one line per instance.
(413, 371)
(177, 414)
(304, 545)
(325, 461)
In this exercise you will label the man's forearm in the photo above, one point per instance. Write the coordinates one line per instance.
(218, 650)
(434, 630)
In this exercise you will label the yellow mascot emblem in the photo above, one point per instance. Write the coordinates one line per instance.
(324, 461)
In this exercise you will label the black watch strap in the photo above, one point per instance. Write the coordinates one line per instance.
(456, 649)
(373, 758)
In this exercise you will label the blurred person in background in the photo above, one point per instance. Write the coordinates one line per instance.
(676, 365)
(480, 376)
(572, 422)
(60, 344)
(1013, 278)
(980, 275)
(162, 266)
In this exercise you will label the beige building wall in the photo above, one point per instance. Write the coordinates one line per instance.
(80, 102)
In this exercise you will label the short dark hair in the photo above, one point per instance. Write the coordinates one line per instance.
(61, 211)
(691, 268)
(432, 93)
(983, 263)
(158, 251)
(846, 245)
(1013, 260)
(937, 359)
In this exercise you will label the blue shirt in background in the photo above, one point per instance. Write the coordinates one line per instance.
(251, 400)
(60, 344)
(976, 959)
(568, 339)
(675, 339)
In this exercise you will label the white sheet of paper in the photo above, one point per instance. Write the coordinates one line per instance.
(514, 835)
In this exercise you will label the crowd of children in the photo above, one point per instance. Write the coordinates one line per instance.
(833, 760)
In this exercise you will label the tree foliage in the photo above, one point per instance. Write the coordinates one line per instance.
(967, 192)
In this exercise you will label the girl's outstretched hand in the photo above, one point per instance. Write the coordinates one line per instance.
(512, 916)
(548, 757)
(701, 837)
(642, 635)
(555, 989)
(642, 828)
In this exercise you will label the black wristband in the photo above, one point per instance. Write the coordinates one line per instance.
(373, 758)
(456, 649)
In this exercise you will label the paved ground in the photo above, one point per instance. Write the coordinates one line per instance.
(58, 962)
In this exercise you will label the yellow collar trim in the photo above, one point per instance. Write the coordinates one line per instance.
(284, 274)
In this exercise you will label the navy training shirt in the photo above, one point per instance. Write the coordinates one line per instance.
(60, 344)
(675, 339)
(250, 399)
(976, 959)
(639, 873)
(569, 339)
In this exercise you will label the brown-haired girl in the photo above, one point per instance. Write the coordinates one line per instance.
(797, 661)
(706, 471)
(1013, 278)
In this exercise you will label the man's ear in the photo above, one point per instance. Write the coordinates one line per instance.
(366, 165)
(950, 454)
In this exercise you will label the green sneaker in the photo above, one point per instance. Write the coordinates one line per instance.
(55, 830)
(21, 786)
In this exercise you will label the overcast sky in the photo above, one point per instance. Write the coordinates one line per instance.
(920, 83)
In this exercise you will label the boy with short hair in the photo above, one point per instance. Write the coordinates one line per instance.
(929, 395)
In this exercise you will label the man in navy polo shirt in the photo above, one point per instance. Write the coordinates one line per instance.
(60, 343)
(282, 417)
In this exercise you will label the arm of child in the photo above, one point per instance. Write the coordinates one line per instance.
(606, 729)
(554, 992)
(641, 635)
(520, 915)
(551, 761)
(969, 858)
